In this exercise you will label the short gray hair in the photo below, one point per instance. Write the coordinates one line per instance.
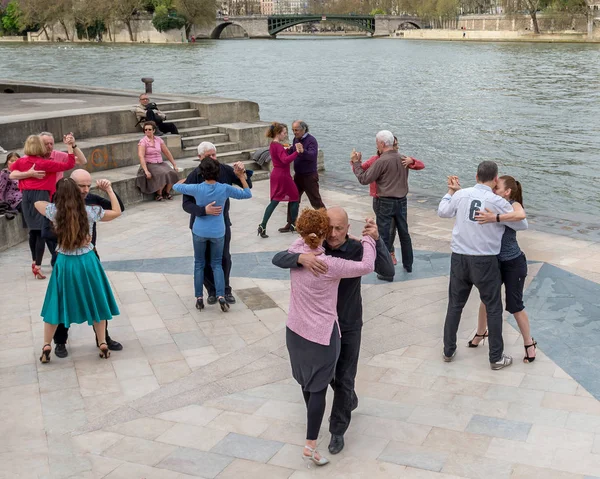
(46, 133)
(386, 137)
(487, 171)
(204, 147)
(303, 125)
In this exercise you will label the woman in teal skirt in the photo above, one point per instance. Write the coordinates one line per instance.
(78, 290)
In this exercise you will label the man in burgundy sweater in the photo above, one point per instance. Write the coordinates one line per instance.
(305, 168)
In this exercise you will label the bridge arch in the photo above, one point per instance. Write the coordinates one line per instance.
(408, 25)
(279, 23)
(216, 33)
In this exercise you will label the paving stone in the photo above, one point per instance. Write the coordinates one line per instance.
(190, 340)
(496, 427)
(245, 424)
(145, 428)
(414, 456)
(195, 462)
(253, 470)
(195, 437)
(195, 415)
(246, 447)
(140, 451)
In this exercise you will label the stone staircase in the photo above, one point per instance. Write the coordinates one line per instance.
(194, 129)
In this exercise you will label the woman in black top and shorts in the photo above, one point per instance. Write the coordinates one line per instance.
(513, 266)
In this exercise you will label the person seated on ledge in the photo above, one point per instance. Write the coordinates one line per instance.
(154, 175)
(10, 195)
(148, 111)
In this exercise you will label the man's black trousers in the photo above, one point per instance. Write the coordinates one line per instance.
(483, 272)
(344, 397)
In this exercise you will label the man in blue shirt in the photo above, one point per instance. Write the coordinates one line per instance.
(227, 176)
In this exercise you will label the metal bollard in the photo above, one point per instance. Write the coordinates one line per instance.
(148, 82)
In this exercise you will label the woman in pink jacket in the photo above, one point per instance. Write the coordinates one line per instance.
(312, 333)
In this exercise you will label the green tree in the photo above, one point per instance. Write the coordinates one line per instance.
(164, 20)
(12, 19)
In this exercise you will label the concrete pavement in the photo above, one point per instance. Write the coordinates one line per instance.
(211, 395)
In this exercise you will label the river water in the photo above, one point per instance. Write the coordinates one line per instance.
(533, 108)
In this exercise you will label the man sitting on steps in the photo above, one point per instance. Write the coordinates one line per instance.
(147, 111)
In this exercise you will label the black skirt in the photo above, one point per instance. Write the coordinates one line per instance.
(313, 364)
(32, 218)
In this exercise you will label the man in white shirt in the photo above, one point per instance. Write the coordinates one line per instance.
(474, 259)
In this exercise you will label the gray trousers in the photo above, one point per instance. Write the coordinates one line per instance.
(483, 272)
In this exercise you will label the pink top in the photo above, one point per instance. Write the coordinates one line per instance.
(416, 165)
(313, 299)
(61, 156)
(152, 149)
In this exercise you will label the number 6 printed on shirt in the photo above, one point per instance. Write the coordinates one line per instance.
(476, 205)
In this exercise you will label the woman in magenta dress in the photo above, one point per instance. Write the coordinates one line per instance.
(283, 187)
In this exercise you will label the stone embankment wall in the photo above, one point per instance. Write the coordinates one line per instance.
(513, 23)
(142, 29)
(492, 36)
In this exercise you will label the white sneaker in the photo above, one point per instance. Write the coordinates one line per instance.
(3, 151)
(448, 359)
(504, 362)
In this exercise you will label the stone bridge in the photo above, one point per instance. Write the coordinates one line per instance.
(268, 26)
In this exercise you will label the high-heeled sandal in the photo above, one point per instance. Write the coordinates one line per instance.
(319, 462)
(45, 357)
(527, 358)
(104, 351)
(224, 304)
(168, 196)
(37, 272)
(484, 335)
(262, 232)
(199, 304)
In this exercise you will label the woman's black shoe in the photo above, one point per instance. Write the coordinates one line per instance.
(262, 232)
(224, 304)
(484, 335)
(199, 304)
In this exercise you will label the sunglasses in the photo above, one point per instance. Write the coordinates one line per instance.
(148, 129)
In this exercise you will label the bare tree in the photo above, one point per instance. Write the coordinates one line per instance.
(196, 12)
(531, 7)
(125, 11)
(38, 12)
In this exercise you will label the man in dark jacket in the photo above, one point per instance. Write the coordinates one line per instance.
(84, 182)
(305, 168)
(227, 176)
(349, 308)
